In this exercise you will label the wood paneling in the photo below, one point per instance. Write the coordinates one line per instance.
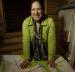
(58, 1)
(0, 15)
(12, 35)
(1, 8)
(2, 26)
(10, 48)
(11, 43)
(52, 11)
(52, 5)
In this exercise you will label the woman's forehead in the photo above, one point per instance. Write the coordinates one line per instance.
(36, 4)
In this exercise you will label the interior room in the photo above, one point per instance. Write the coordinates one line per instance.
(12, 14)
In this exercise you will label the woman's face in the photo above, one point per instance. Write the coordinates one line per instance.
(36, 11)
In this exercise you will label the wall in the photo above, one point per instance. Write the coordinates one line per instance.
(11, 43)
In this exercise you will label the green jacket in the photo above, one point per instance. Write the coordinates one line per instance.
(48, 35)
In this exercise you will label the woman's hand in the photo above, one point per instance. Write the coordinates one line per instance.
(51, 63)
(25, 63)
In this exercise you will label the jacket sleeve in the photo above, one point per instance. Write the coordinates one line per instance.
(51, 39)
(26, 39)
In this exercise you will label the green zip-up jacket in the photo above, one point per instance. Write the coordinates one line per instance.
(48, 35)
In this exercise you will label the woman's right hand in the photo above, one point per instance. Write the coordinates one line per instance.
(25, 63)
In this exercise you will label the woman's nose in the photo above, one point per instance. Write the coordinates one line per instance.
(36, 11)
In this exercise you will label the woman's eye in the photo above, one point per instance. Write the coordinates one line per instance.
(33, 9)
(39, 8)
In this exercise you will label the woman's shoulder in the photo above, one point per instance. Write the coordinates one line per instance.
(26, 22)
(50, 19)
(27, 19)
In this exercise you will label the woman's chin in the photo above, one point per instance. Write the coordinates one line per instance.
(37, 19)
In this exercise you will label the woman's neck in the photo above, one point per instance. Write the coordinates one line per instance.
(37, 26)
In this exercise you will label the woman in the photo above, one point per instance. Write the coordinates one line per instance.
(39, 40)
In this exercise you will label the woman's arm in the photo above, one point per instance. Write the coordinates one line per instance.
(26, 44)
(26, 39)
(51, 41)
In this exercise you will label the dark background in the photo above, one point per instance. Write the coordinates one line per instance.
(15, 12)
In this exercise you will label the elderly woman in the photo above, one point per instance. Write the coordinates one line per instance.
(39, 40)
